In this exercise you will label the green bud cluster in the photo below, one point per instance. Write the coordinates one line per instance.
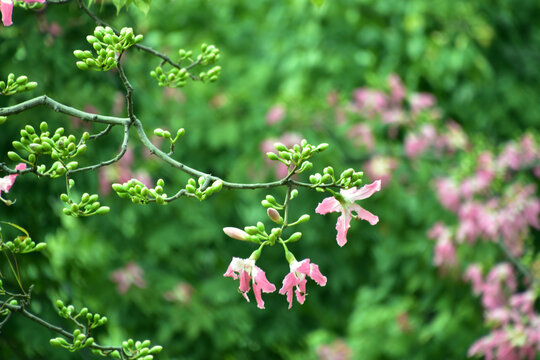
(59, 147)
(29, 6)
(199, 190)
(178, 76)
(108, 47)
(167, 135)
(296, 155)
(140, 194)
(22, 244)
(136, 350)
(16, 85)
(348, 178)
(88, 206)
(85, 320)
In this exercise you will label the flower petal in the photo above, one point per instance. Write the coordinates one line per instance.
(342, 225)
(289, 282)
(364, 192)
(315, 275)
(364, 214)
(329, 204)
(6, 7)
(244, 281)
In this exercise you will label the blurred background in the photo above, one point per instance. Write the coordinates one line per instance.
(290, 70)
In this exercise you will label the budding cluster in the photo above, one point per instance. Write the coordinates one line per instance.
(201, 189)
(137, 350)
(22, 245)
(88, 206)
(108, 47)
(59, 147)
(348, 178)
(297, 155)
(178, 76)
(140, 194)
(16, 85)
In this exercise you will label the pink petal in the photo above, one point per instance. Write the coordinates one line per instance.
(364, 214)
(303, 267)
(342, 225)
(316, 275)
(289, 282)
(244, 281)
(6, 7)
(329, 204)
(261, 280)
(230, 273)
(301, 291)
(363, 193)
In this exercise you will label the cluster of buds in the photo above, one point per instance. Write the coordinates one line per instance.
(200, 188)
(348, 178)
(60, 147)
(86, 322)
(88, 206)
(167, 135)
(16, 85)
(140, 194)
(108, 46)
(22, 245)
(297, 155)
(136, 350)
(178, 75)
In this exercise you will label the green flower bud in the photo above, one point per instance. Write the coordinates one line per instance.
(72, 165)
(272, 156)
(285, 155)
(79, 54)
(322, 147)
(85, 197)
(64, 198)
(3, 119)
(294, 193)
(80, 150)
(156, 349)
(81, 65)
(251, 230)
(160, 182)
(294, 237)
(158, 132)
(217, 186)
(266, 204)
(118, 188)
(40, 246)
(21, 80)
(32, 158)
(190, 189)
(13, 156)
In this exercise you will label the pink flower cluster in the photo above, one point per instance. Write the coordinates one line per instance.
(247, 271)
(445, 251)
(515, 326)
(427, 138)
(506, 216)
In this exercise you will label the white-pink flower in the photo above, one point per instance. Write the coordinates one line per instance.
(346, 205)
(247, 271)
(7, 181)
(295, 281)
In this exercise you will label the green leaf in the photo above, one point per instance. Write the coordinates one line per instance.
(143, 5)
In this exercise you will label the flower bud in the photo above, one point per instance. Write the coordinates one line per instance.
(236, 233)
(273, 214)
(103, 210)
(272, 156)
(294, 237)
(3, 119)
(82, 65)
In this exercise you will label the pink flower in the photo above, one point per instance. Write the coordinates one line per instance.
(361, 135)
(346, 205)
(445, 253)
(297, 279)
(397, 89)
(380, 167)
(247, 270)
(7, 181)
(6, 7)
(421, 101)
(275, 114)
(131, 274)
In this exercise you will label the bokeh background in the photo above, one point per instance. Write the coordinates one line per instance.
(289, 70)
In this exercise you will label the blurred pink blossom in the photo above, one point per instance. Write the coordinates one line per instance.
(421, 101)
(397, 89)
(369, 102)
(130, 274)
(288, 139)
(181, 293)
(275, 114)
(361, 135)
(380, 167)
(7, 182)
(338, 350)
